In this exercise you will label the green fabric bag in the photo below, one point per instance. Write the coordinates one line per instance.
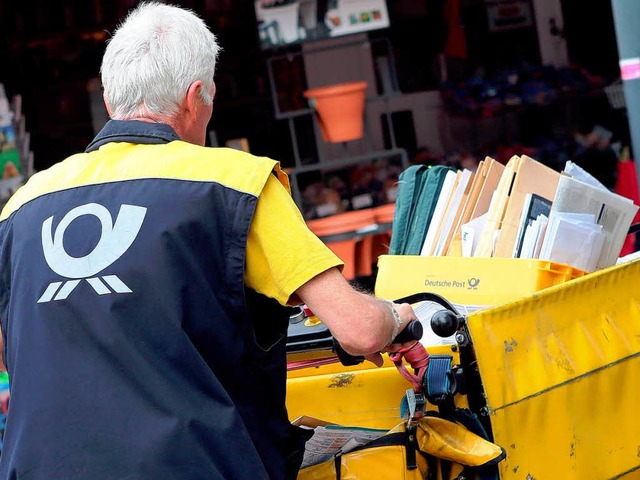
(405, 201)
(418, 190)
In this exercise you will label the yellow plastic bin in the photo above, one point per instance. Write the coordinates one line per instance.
(477, 282)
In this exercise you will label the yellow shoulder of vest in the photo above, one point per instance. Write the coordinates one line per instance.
(114, 162)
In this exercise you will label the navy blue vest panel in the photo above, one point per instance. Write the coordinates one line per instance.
(129, 338)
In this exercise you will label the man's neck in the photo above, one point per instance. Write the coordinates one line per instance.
(172, 123)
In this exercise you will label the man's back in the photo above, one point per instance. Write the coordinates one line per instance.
(125, 322)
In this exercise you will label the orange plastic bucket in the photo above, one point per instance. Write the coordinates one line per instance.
(340, 110)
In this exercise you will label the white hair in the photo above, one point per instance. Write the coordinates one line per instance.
(152, 59)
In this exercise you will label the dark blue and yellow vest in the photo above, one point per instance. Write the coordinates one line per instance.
(134, 349)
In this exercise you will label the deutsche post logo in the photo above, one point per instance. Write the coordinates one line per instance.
(473, 283)
(115, 240)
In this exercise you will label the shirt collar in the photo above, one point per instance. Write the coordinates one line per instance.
(133, 131)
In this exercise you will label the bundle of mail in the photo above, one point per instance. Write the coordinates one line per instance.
(523, 209)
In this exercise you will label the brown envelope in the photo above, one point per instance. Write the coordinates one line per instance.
(531, 176)
(497, 209)
(492, 176)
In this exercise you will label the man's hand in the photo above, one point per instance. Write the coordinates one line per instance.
(407, 315)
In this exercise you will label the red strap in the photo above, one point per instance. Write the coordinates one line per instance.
(418, 357)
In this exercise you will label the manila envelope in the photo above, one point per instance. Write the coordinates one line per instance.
(498, 204)
(531, 176)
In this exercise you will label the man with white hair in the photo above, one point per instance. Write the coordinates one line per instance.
(144, 286)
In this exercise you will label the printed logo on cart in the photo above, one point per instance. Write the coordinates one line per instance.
(469, 284)
(115, 240)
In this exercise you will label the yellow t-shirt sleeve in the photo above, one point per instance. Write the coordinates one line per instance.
(282, 253)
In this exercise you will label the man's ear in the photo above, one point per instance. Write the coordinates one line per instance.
(191, 99)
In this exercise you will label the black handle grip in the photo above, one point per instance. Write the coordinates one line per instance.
(345, 358)
(413, 331)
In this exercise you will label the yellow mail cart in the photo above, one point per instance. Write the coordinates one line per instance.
(551, 372)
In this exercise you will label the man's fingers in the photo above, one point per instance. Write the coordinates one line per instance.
(375, 358)
(406, 312)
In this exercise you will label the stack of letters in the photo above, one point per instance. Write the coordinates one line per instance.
(523, 209)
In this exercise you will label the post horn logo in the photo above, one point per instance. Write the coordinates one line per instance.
(115, 240)
(473, 283)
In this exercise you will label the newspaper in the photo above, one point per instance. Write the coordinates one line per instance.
(576, 171)
(328, 440)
